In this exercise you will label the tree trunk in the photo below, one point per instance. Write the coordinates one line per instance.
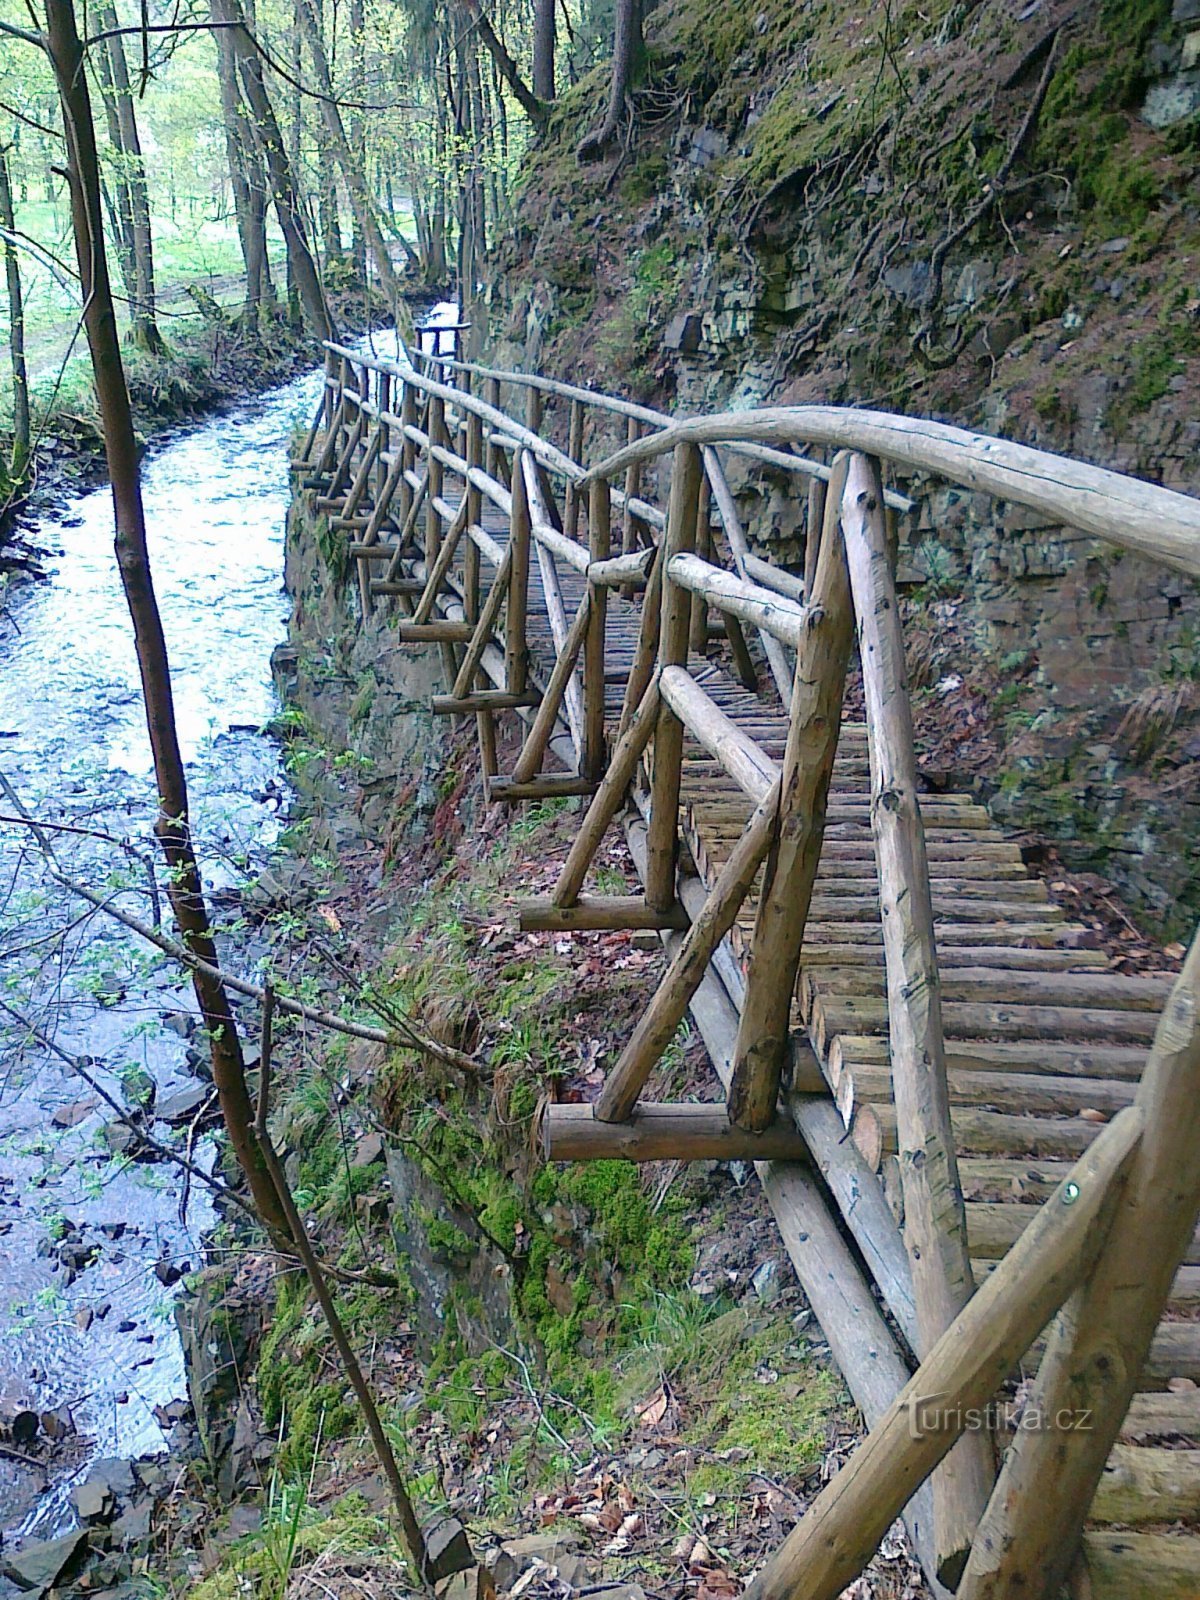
(19, 459)
(329, 227)
(238, 150)
(133, 562)
(543, 48)
(145, 327)
(279, 171)
(534, 108)
(627, 47)
(358, 59)
(120, 207)
(347, 159)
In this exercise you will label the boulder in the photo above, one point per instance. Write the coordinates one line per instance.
(93, 1500)
(184, 1104)
(38, 1566)
(447, 1549)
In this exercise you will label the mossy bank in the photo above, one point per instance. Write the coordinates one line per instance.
(965, 209)
(547, 1325)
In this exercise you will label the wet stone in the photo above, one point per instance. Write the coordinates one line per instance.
(58, 1424)
(36, 1567)
(184, 1104)
(93, 1501)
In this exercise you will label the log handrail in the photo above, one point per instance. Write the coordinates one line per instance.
(385, 429)
(1125, 511)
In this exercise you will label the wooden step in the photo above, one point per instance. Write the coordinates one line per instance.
(1054, 1056)
(837, 1014)
(999, 985)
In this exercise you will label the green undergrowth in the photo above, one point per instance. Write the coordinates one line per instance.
(597, 1257)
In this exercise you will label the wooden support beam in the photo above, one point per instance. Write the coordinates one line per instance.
(484, 628)
(441, 566)
(687, 469)
(533, 750)
(863, 1345)
(739, 755)
(596, 913)
(771, 613)
(743, 661)
(451, 705)
(515, 650)
(934, 1220)
(396, 586)
(665, 1133)
(665, 1012)
(609, 798)
(371, 552)
(543, 510)
(842, 1529)
(772, 577)
(1097, 1348)
(433, 632)
(541, 788)
(599, 544)
(783, 901)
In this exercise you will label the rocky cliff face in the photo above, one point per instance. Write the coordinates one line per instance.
(980, 211)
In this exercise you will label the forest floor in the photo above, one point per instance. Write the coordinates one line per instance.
(662, 1406)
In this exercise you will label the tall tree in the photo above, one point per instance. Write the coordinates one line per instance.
(245, 176)
(145, 325)
(284, 193)
(115, 191)
(544, 12)
(627, 48)
(19, 456)
(172, 826)
(346, 158)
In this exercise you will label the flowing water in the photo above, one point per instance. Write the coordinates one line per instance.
(87, 1236)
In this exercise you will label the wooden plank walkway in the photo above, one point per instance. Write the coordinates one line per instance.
(1044, 1045)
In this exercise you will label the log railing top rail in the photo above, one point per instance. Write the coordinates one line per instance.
(886, 994)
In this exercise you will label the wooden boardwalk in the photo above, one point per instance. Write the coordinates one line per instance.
(1045, 1049)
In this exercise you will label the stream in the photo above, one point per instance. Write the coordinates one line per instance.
(93, 1244)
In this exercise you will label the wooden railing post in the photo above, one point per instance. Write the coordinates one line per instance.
(698, 627)
(791, 870)
(818, 496)
(1098, 1346)
(599, 542)
(385, 406)
(515, 653)
(575, 451)
(485, 721)
(408, 451)
(533, 413)
(497, 464)
(474, 457)
(687, 469)
(934, 1216)
(435, 472)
